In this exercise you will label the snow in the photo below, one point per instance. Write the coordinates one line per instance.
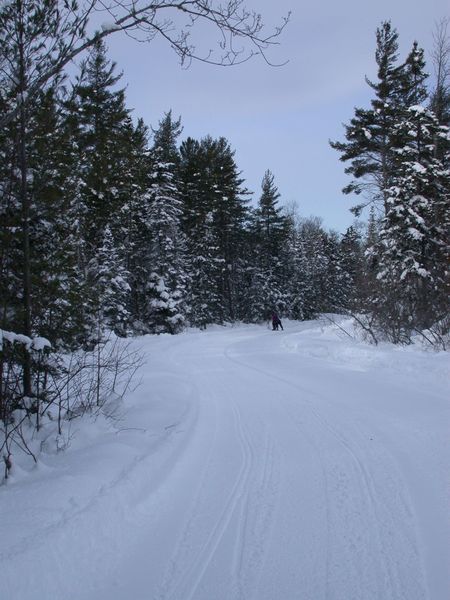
(37, 343)
(249, 464)
(415, 234)
(418, 168)
(110, 26)
(417, 108)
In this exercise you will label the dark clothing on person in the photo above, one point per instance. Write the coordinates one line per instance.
(276, 322)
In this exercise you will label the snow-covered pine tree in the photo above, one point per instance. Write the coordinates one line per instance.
(135, 221)
(369, 286)
(102, 134)
(204, 263)
(104, 129)
(110, 288)
(28, 37)
(295, 269)
(167, 273)
(334, 279)
(229, 216)
(214, 214)
(314, 262)
(413, 252)
(270, 234)
(368, 145)
(57, 283)
(39, 279)
(11, 245)
(352, 269)
(413, 77)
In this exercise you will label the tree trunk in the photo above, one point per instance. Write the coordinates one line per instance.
(25, 203)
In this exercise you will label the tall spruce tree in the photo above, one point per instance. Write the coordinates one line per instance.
(102, 130)
(110, 300)
(352, 269)
(414, 239)
(204, 262)
(295, 286)
(29, 32)
(270, 236)
(167, 280)
(59, 287)
(368, 145)
(136, 223)
(214, 215)
(314, 261)
(368, 148)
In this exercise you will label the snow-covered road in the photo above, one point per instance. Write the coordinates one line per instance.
(250, 465)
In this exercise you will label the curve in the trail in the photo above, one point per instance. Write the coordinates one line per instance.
(250, 465)
(248, 540)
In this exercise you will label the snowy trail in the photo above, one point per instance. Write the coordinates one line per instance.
(253, 466)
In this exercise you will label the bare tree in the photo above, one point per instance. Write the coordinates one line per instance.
(63, 30)
(440, 100)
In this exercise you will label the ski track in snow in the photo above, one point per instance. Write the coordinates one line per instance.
(236, 509)
(380, 517)
(245, 517)
(279, 473)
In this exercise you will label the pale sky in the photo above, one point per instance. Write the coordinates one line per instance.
(281, 118)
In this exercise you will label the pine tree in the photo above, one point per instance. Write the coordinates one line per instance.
(110, 284)
(368, 135)
(352, 269)
(214, 217)
(229, 213)
(27, 30)
(167, 281)
(135, 219)
(368, 146)
(314, 264)
(295, 267)
(270, 235)
(165, 139)
(413, 77)
(414, 244)
(103, 131)
(55, 278)
(205, 264)
(37, 205)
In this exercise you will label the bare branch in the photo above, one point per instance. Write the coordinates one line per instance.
(143, 20)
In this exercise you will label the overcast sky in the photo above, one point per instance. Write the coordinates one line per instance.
(281, 118)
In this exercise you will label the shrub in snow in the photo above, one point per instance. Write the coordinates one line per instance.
(63, 387)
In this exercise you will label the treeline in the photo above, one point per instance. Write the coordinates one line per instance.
(109, 225)
(132, 231)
